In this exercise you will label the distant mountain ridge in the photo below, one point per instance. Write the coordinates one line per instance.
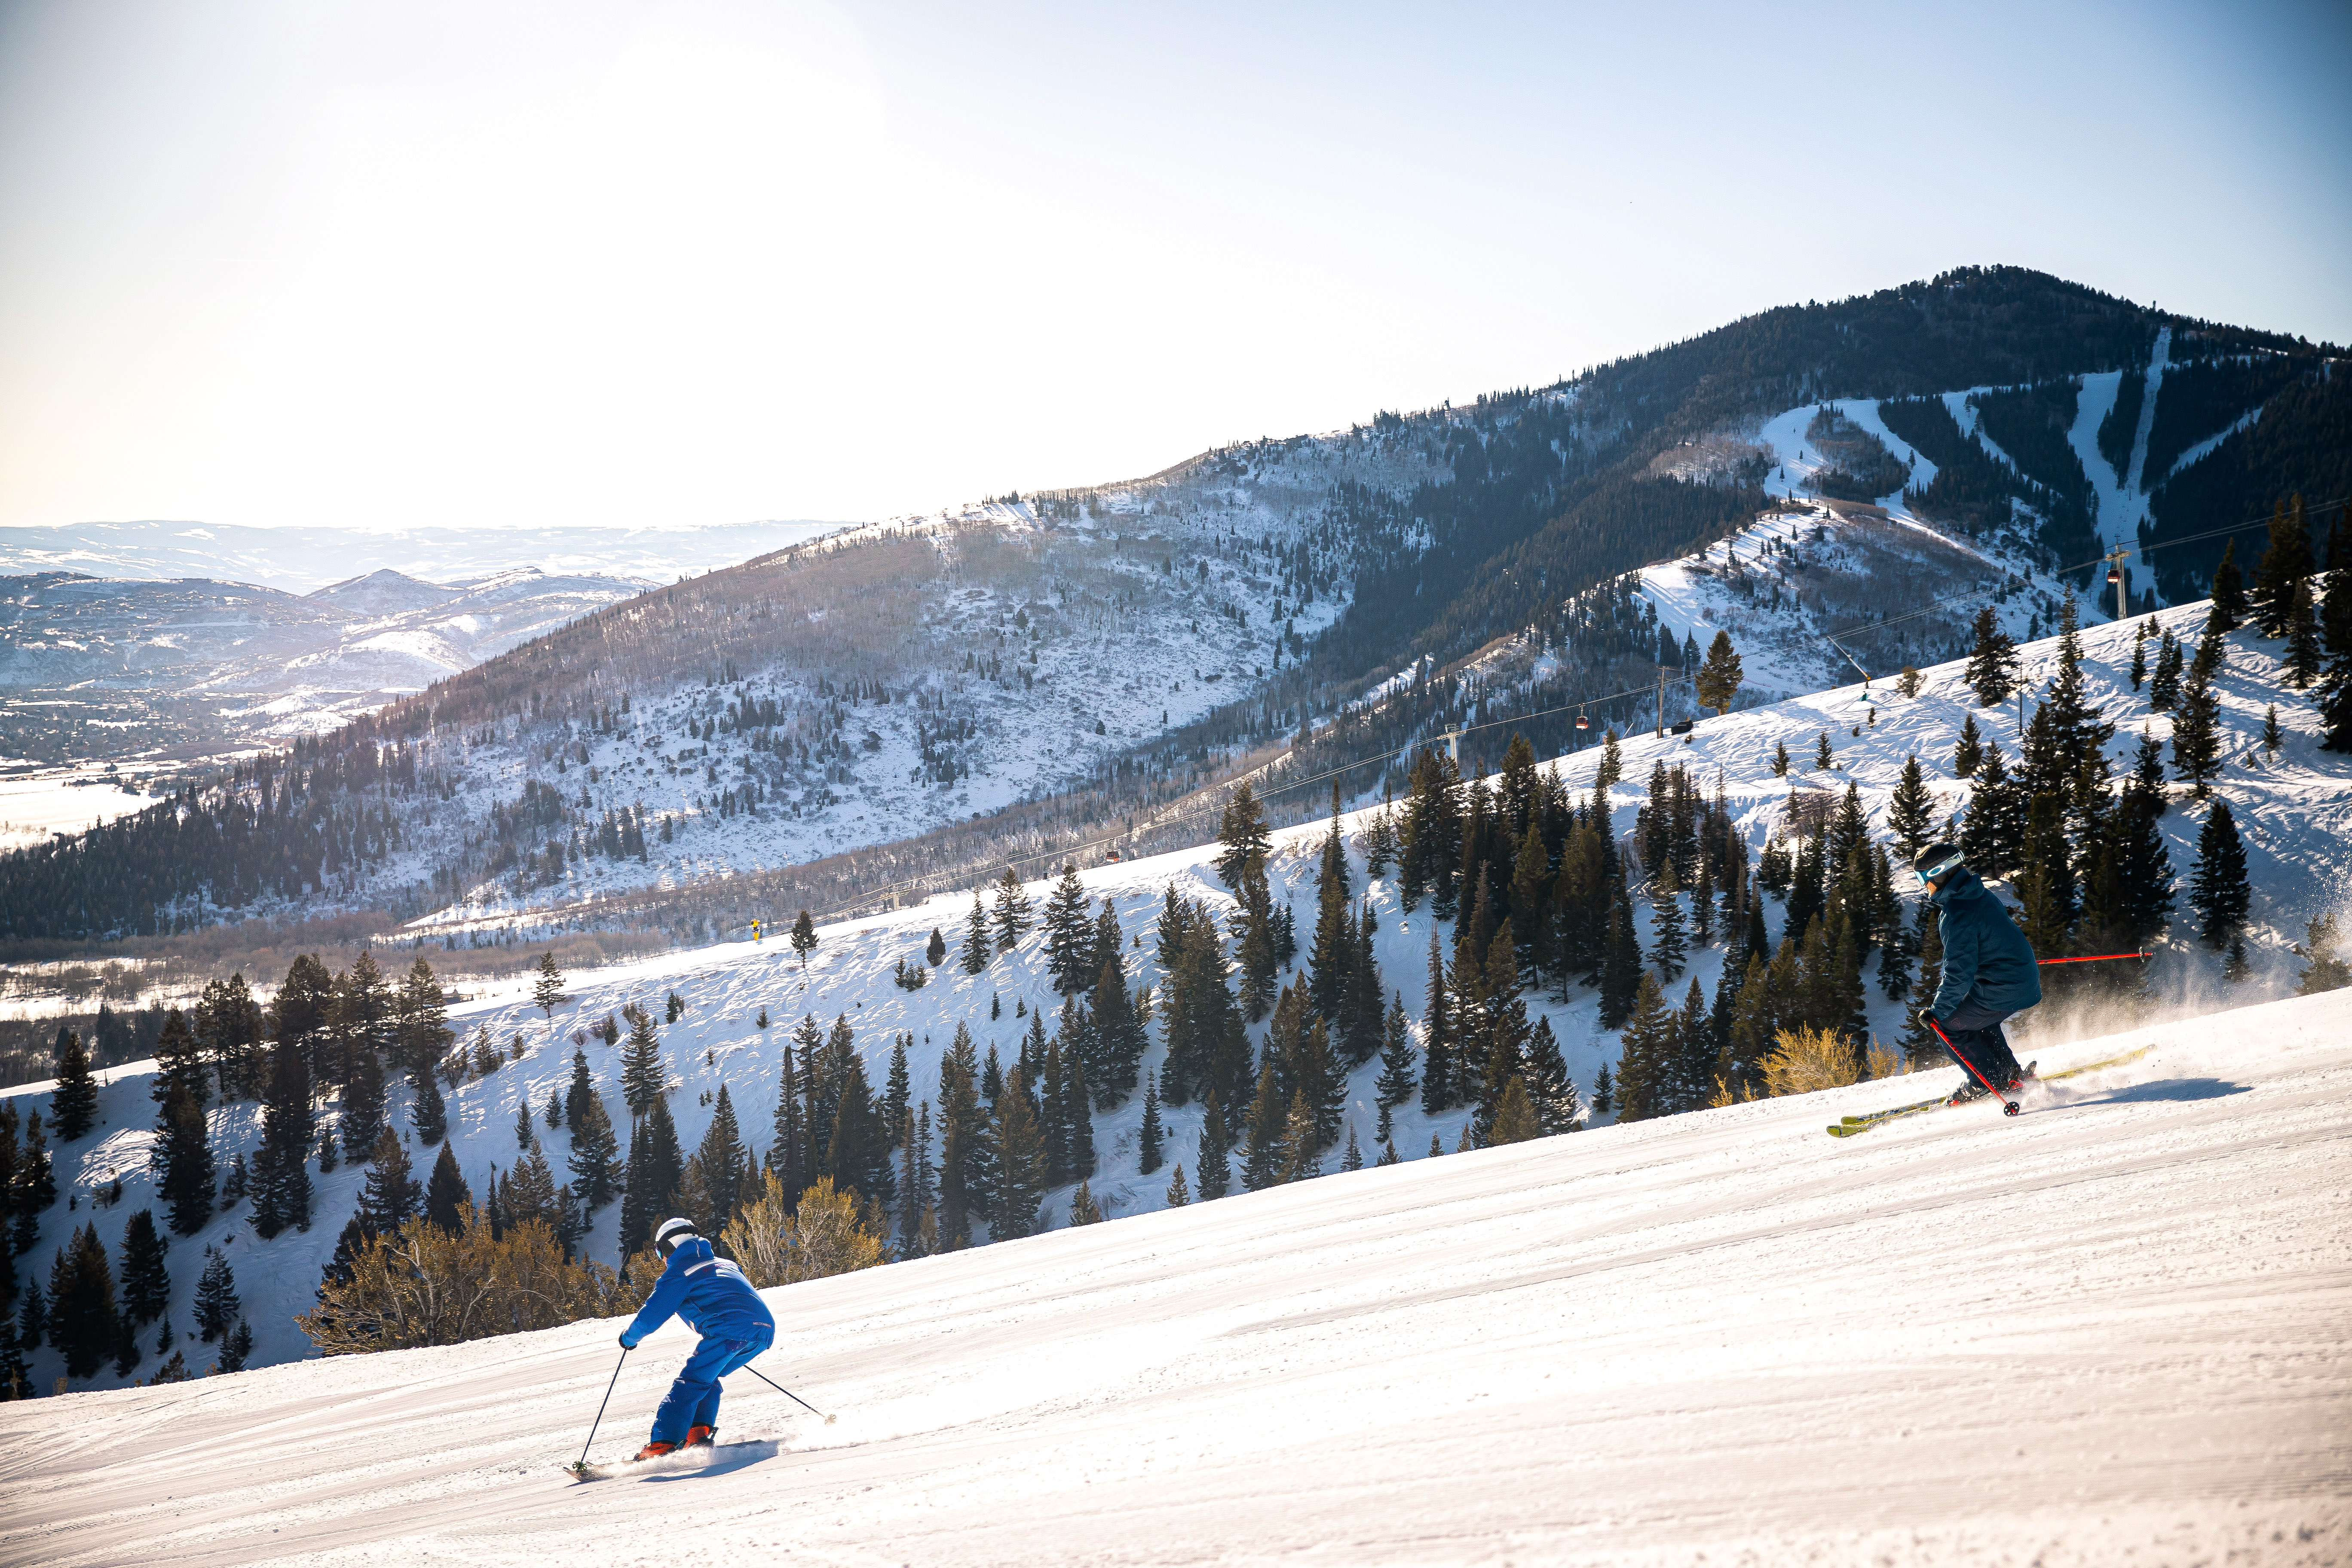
(298, 560)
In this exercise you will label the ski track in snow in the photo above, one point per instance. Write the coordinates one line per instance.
(2110, 1330)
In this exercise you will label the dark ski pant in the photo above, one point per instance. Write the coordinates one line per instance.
(693, 1399)
(1973, 1034)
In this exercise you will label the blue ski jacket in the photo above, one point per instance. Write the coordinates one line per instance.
(1984, 951)
(707, 1292)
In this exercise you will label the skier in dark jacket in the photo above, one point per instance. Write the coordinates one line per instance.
(709, 1294)
(1989, 972)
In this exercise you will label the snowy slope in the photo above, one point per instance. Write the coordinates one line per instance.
(2295, 812)
(2109, 1331)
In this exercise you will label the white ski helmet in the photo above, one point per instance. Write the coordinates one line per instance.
(671, 1233)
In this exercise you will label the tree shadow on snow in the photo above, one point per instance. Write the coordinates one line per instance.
(726, 1456)
(2168, 1088)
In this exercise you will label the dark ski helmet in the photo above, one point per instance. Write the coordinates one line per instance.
(1938, 859)
(671, 1233)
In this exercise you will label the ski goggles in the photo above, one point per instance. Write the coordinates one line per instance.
(1929, 873)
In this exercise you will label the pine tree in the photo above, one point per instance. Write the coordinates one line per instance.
(594, 1159)
(185, 1159)
(2219, 890)
(1514, 1115)
(2235, 967)
(390, 1197)
(1780, 759)
(2228, 610)
(1645, 1056)
(1549, 1089)
(446, 1195)
(721, 1154)
(1242, 830)
(1148, 1140)
(1213, 1171)
(426, 1112)
(1437, 1035)
(1993, 835)
(2196, 730)
(547, 990)
(2336, 629)
(1012, 917)
(1178, 1196)
(1621, 968)
(656, 1167)
(803, 939)
(281, 1175)
(179, 1062)
(1262, 1164)
(216, 1298)
(2164, 687)
(2326, 971)
(1069, 935)
(1719, 677)
(146, 1283)
(1823, 759)
(645, 1076)
(421, 1030)
(73, 1109)
(1300, 1149)
(2287, 564)
(82, 1311)
(1334, 953)
(1992, 664)
(1395, 1084)
(978, 950)
(2139, 653)
(1021, 1176)
(365, 1113)
(1668, 947)
(1354, 1159)
(2303, 660)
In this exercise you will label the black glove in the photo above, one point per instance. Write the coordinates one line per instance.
(625, 1344)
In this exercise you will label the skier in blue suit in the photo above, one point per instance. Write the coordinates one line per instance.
(711, 1296)
(1989, 972)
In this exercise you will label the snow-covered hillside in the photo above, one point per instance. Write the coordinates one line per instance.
(2108, 1331)
(2295, 810)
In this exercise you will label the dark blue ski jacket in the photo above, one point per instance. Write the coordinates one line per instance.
(1984, 952)
(707, 1292)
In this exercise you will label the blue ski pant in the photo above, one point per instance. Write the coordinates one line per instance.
(1973, 1034)
(693, 1399)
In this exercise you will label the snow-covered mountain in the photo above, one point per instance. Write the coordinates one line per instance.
(2292, 807)
(300, 561)
(2100, 1333)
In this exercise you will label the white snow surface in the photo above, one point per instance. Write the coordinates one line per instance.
(2108, 1331)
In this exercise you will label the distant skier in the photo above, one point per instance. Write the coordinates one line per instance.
(710, 1295)
(1989, 972)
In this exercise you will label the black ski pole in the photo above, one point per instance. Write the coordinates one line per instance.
(581, 1462)
(788, 1393)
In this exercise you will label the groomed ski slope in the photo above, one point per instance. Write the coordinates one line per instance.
(2110, 1330)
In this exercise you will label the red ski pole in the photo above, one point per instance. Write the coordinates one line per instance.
(2008, 1107)
(2095, 958)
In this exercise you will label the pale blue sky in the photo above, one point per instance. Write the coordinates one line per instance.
(270, 262)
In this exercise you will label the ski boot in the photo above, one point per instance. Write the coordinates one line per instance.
(1969, 1089)
(699, 1436)
(653, 1451)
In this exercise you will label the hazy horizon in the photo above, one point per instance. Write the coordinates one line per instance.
(629, 264)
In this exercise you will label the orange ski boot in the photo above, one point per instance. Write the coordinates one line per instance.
(699, 1436)
(654, 1451)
